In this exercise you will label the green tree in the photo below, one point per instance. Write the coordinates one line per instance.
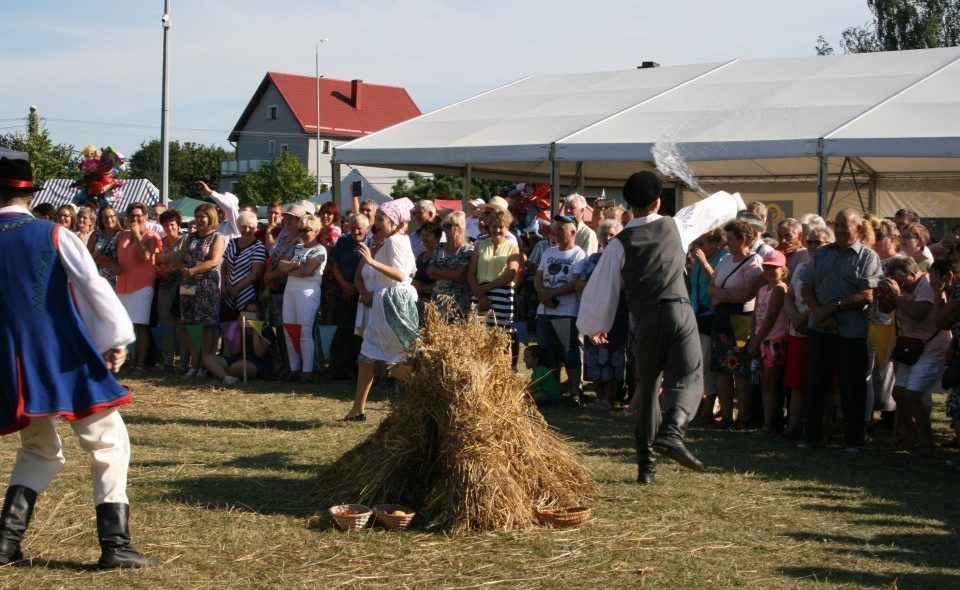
(284, 178)
(48, 159)
(904, 24)
(443, 186)
(189, 162)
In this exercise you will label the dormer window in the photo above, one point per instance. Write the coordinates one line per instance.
(272, 112)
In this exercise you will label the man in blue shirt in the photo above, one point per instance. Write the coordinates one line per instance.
(838, 288)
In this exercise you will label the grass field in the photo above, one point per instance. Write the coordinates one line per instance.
(220, 486)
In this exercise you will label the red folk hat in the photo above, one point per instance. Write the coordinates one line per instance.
(16, 175)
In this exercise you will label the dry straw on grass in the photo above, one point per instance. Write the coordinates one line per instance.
(464, 446)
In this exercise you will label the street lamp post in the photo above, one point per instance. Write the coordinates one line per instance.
(319, 144)
(164, 110)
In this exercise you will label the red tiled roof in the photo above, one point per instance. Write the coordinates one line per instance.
(380, 106)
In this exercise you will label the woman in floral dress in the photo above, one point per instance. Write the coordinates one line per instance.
(200, 283)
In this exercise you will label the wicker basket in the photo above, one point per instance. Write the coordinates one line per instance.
(351, 517)
(393, 521)
(564, 517)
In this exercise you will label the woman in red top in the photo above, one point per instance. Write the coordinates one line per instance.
(136, 248)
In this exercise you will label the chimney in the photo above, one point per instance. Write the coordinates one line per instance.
(648, 64)
(356, 86)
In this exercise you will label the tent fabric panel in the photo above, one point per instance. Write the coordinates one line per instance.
(60, 191)
(756, 100)
(535, 110)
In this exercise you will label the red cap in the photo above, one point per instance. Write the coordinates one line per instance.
(774, 258)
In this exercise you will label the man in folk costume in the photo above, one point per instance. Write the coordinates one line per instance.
(62, 332)
(648, 259)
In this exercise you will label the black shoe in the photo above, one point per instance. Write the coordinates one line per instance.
(17, 510)
(114, 534)
(676, 450)
(646, 466)
(354, 418)
(646, 479)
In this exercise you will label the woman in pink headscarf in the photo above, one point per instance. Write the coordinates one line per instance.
(387, 319)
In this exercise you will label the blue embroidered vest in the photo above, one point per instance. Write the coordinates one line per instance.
(49, 366)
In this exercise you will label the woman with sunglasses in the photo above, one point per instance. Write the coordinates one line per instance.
(798, 316)
(137, 247)
(304, 270)
(914, 238)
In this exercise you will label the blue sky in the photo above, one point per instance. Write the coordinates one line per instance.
(93, 69)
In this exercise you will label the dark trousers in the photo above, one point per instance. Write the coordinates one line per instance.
(666, 352)
(346, 345)
(829, 353)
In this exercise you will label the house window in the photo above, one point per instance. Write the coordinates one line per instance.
(284, 147)
(325, 146)
(271, 147)
(272, 112)
(233, 186)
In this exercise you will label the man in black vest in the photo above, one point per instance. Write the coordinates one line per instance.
(648, 259)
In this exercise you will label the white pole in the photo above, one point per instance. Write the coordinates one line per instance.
(164, 110)
(317, 74)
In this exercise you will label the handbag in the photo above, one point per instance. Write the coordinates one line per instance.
(907, 350)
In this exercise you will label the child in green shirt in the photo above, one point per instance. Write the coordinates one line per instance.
(543, 386)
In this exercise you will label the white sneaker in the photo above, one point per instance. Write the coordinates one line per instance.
(191, 372)
(230, 380)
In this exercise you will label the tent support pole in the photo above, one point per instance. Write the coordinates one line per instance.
(833, 195)
(821, 179)
(335, 185)
(554, 182)
(581, 181)
(871, 183)
(467, 185)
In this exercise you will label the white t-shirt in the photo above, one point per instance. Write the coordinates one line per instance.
(747, 274)
(558, 268)
(937, 347)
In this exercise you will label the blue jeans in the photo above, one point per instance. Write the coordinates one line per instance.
(556, 351)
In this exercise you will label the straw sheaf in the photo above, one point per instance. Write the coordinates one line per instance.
(465, 447)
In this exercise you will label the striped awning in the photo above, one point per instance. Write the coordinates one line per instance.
(60, 191)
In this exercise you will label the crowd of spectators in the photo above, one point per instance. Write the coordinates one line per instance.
(804, 325)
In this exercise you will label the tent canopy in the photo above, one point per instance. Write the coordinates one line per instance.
(897, 114)
(60, 191)
(186, 206)
(368, 191)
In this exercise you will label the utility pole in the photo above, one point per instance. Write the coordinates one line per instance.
(164, 110)
(319, 143)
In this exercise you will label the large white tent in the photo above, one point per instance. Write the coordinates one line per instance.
(876, 130)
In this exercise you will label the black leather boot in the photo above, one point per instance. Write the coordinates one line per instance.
(669, 441)
(17, 510)
(646, 466)
(114, 534)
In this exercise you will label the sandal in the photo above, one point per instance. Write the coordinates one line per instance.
(354, 418)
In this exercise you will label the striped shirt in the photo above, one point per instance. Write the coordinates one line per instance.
(238, 264)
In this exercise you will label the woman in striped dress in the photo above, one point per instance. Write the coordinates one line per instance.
(493, 273)
(244, 260)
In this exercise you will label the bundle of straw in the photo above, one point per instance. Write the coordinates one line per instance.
(465, 446)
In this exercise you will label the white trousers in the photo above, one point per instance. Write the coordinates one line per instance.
(300, 303)
(102, 435)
